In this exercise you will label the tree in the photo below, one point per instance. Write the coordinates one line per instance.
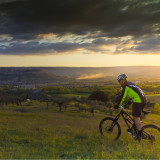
(19, 99)
(3, 98)
(81, 107)
(99, 96)
(61, 101)
(14, 97)
(45, 98)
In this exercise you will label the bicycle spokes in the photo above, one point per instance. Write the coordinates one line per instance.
(152, 138)
(110, 128)
(151, 133)
(148, 137)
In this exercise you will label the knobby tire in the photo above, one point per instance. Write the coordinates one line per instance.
(104, 131)
(153, 131)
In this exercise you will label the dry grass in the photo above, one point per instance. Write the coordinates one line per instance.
(48, 134)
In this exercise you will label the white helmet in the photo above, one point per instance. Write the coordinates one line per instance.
(121, 76)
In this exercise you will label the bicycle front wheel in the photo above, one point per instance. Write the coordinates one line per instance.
(110, 128)
(151, 132)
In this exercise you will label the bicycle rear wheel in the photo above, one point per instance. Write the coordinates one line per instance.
(151, 132)
(110, 128)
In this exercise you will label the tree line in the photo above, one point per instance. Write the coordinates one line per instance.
(102, 100)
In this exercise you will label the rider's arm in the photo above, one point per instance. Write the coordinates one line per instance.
(123, 96)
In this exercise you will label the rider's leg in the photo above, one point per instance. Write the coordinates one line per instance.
(139, 128)
(136, 112)
(138, 123)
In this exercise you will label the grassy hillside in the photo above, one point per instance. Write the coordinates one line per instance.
(41, 133)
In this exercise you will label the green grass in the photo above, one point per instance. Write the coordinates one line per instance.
(39, 133)
(78, 94)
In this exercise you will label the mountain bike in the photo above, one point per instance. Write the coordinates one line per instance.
(109, 126)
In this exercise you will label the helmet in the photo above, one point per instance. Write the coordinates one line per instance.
(121, 76)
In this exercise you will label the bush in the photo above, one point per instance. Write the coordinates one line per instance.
(99, 96)
(156, 108)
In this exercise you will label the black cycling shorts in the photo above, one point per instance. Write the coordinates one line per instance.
(137, 109)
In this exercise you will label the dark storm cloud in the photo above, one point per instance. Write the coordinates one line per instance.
(23, 20)
(48, 48)
(114, 17)
(37, 48)
(151, 44)
(34, 47)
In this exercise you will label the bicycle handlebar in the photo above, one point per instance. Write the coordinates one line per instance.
(128, 102)
(121, 107)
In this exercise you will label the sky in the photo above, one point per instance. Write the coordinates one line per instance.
(79, 33)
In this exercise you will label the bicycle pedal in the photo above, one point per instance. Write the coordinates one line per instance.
(129, 133)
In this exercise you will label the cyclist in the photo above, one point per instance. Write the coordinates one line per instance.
(137, 97)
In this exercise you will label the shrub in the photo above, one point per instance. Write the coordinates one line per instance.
(99, 96)
(156, 108)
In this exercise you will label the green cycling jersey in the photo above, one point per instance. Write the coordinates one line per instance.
(133, 92)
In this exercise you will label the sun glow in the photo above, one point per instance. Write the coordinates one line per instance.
(81, 60)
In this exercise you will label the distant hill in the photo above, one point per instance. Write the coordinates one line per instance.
(133, 72)
(77, 73)
(23, 75)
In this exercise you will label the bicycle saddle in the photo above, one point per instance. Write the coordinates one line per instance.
(146, 112)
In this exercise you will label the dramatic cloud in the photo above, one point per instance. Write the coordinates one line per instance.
(58, 26)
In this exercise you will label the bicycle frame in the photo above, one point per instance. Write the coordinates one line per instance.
(127, 118)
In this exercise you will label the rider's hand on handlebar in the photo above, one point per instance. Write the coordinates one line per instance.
(116, 107)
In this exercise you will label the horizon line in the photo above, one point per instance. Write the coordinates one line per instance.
(76, 66)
